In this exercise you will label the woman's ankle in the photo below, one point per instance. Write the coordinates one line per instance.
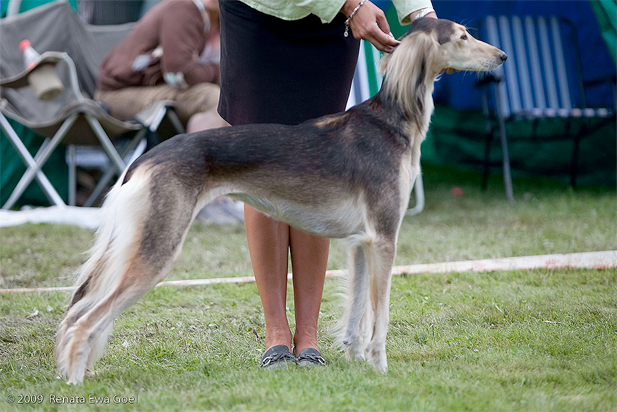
(281, 337)
(300, 344)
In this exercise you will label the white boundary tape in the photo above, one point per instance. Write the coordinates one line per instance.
(585, 260)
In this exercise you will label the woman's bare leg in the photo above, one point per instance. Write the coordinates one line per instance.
(309, 260)
(268, 242)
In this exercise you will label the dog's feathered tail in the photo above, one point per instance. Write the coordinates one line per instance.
(114, 247)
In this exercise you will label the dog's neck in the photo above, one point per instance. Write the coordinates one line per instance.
(412, 105)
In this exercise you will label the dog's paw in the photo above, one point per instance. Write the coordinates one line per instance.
(73, 381)
(380, 365)
(354, 350)
(354, 355)
(91, 373)
(378, 360)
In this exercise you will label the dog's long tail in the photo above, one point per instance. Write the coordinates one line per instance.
(108, 259)
(141, 236)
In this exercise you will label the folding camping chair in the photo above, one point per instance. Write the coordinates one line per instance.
(366, 83)
(541, 80)
(72, 118)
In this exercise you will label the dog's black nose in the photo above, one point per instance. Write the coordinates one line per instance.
(503, 57)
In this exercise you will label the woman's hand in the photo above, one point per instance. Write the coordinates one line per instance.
(369, 23)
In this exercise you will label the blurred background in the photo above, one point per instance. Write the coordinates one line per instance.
(459, 130)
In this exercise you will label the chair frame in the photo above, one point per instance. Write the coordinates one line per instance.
(521, 96)
(117, 162)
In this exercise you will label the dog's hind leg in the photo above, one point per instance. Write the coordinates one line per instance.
(356, 314)
(89, 334)
(144, 242)
(380, 262)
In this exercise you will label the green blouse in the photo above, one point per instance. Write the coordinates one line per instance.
(326, 10)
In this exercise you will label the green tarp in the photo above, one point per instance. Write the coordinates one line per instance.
(457, 137)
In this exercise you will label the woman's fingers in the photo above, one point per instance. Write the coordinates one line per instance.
(370, 23)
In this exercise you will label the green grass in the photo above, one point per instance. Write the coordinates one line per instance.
(540, 340)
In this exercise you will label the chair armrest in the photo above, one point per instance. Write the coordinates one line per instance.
(47, 58)
(21, 79)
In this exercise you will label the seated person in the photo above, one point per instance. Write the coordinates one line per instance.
(171, 54)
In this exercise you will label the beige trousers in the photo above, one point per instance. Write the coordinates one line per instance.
(126, 103)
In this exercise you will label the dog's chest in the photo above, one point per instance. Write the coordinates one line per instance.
(330, 217)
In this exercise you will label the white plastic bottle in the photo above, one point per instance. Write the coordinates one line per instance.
(44, 79)
(30, 55)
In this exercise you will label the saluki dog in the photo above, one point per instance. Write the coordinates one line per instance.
(347, 175)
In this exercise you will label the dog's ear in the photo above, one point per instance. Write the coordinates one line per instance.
(417, 49)
(409, 69)
(426, 48)
(424, 51)
(385, 58)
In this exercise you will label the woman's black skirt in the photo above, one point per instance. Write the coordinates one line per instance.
(278, 71)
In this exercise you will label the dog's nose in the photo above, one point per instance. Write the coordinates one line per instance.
(503, 57)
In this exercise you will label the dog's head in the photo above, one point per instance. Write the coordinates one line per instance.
(430, 47)
(444, 46)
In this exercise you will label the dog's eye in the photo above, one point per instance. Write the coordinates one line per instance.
(464, 36)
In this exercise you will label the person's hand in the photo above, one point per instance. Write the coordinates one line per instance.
(369, 23)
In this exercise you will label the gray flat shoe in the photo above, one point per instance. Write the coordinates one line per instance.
(310, 357)
(277, 357)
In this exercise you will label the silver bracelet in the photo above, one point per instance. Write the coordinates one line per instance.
(424, 12)
(346, 34)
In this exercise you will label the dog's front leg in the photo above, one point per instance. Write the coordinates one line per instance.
(357, 314)
(380, 268)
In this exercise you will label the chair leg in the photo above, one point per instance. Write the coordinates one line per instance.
(46, 149)
(35, 164)
(507, 178)
(487, 152)
(72, 175)
(117, 160)
(175, 121)
(152, 137)
(106, 144)
(111, 171)
(575, 155)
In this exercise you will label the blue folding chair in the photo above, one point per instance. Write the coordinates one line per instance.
(541, 81)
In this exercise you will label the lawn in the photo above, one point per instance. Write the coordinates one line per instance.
(540, 340)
